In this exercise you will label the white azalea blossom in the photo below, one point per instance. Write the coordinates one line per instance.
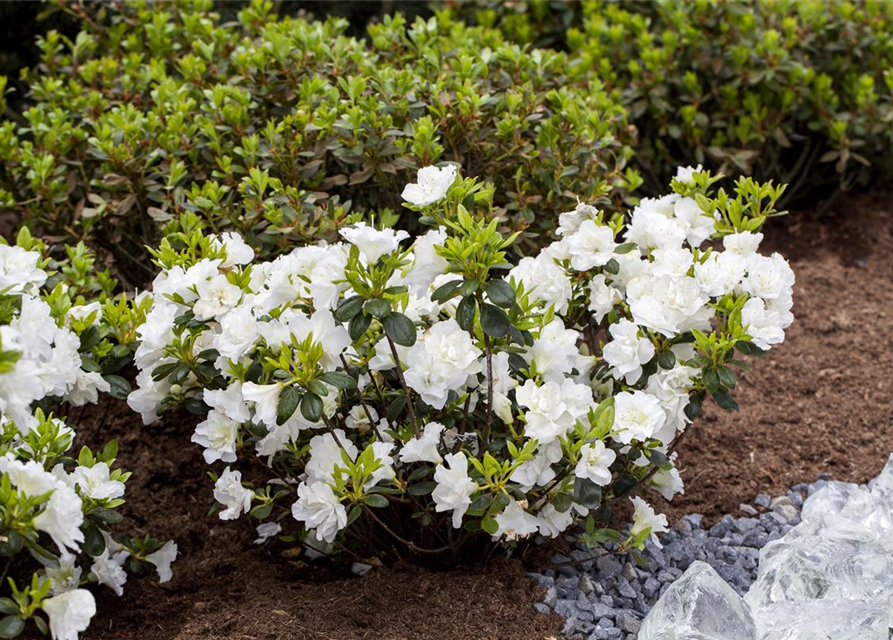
(646, 521)
(454, 487)
(229, 492)
(69, 613)
(425, 447)
(319, 509)
(432, 184)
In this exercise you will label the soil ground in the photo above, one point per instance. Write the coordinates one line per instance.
(819, 403)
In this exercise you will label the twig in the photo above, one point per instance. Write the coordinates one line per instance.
(399, 370)
(408, 543)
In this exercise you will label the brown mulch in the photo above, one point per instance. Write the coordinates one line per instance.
(819, 403)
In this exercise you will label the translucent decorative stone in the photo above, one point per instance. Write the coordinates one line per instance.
(824, 619)
(700, 605)
(813, 568)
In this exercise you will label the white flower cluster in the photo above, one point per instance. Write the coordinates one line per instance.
(46, 361)
(54, 501)
(366, 389)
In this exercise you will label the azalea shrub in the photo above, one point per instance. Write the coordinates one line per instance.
(800, 90)
(284, 130)
(60, 509)
(389, 395)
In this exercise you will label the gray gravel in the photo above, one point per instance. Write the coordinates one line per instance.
(606, 598)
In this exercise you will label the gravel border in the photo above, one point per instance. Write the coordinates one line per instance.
(606, 598)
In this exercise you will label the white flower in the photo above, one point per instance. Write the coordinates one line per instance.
(427, 264)
(454, 487)
(216, 296)
(238, 333)
(359, 419)
(107, 570)
(372, 243)
(442, 360)
(555, 351)
(69, 613)
(238, 252)
(627, 351)
(697, 225)
(83, 311)
(743, 243)
(570, 221)
(668, 483)
(229, 402)
(432, 184)
(671, 388)
(552, 522)
(668, 305)
(266, 531)
(595, 462)
(229, 492)
(320, 510)
(217, 434)
(266, 401)
(720, 273)
(330, 335)
(66, 576)
(95, 482)
(653, 225)
(544, 281)
(538, 471)
(768, 277)
(602, 297)
(686, 175)
(763, 324)
(19, 271)
(163, 559)
(62, 518)
(646, 521)
(553, 409)
(514, 522)
(637, 416)
(424, 448)
(325, 455)
(87, 387)
(592, 245)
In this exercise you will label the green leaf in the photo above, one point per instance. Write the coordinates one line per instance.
(725, 400)
(490, 525)
(375, 500)
(339, 380)
(288, 402)
(400, 329)
(377, 307)
(422, 488)
(108, 516)
(358, 325)
(562, 502)
(465, 312)
(445, 291)
(311, 407)
(262, 511)
(161, 372)
(693, 408)
(501, 293)
(119, 388)
(11, 626)
(626, 247)
(348, 309)
(8, 605)
(612, 267)
(587, 493)
(13, 543)
(94, 543)
(494, 321)
(666, 359)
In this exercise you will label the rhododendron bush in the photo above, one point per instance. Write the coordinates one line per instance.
(60, 509)
(390, 395)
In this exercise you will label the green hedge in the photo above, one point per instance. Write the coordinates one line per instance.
(793, 91)
(284, 129)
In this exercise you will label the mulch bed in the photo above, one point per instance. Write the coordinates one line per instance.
(822, 402)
